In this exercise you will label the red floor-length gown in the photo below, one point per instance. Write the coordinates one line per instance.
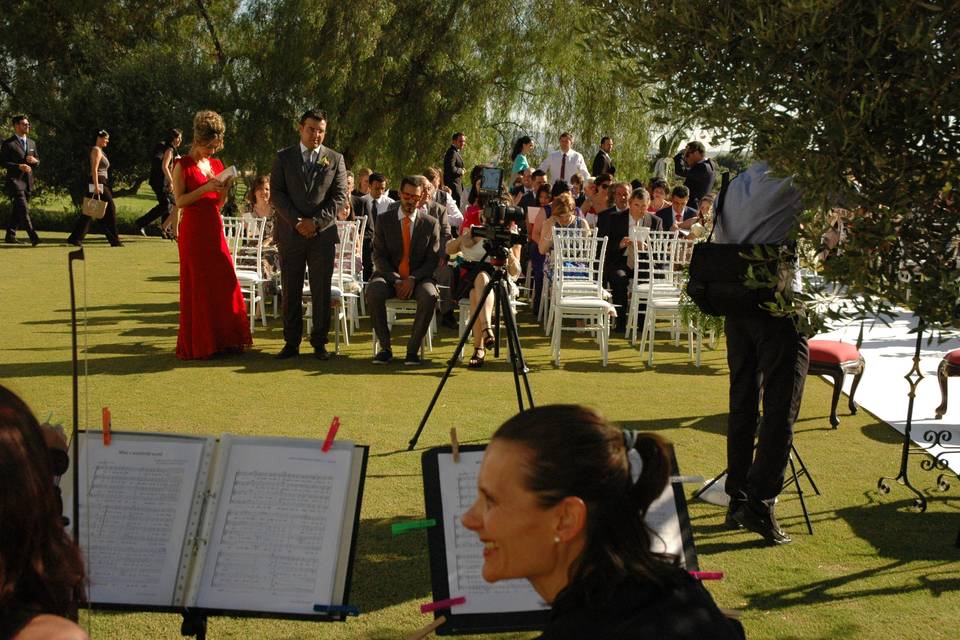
(213, 316)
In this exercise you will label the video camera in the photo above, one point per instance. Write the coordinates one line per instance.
(503, 225)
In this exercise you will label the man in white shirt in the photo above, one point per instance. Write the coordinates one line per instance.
(375, 202)
(564, 162)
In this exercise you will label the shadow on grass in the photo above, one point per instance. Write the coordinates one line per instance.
(902, 536)
(715, 424)
(390, 569)
(882, 432)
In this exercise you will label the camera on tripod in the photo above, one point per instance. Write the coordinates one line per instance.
(503, 225)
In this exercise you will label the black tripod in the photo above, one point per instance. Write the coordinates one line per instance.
(501, 309)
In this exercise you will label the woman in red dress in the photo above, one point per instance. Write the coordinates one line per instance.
(213, 317)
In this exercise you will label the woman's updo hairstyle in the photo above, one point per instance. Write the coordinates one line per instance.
(208, 127)
(562, 204)
(574, 451)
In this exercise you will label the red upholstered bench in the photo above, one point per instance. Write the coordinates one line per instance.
(836, 359)
(949, 366)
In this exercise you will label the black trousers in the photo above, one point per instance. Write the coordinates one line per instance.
(619, 279)
(20, 216)
(161, 210)
(108, 222)
(296, 256)
(765, 353)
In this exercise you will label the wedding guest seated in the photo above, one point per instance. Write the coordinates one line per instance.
(258, 205)
(678, 212)
(561, 500)
(536, 258)
(658, 190)
(474, 275)
(563, 216)
(406, 250)
(41, 572)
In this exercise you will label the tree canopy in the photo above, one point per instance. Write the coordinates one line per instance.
(397, 78)
(858, 100)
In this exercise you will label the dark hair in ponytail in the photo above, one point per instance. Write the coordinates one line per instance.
(576, 452)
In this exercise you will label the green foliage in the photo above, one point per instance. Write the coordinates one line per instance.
(857, 100)
(397, 78)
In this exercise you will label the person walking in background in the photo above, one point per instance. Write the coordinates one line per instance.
(19, 157)
(309, 187)
(98, 188)
(453, 166)
(213, 316)
(521, 155)
(161, 162)
(564, 162)
(697, 169)
(602, 162)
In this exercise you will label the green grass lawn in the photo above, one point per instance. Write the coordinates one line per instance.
(871, 570)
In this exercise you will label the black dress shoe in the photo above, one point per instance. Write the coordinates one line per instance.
(321, 353)
(10, 240)
(757, 516)
(288, 351)
(729, 521)
(383, 357)
(413, 359)
(35, 240)
(75, 243)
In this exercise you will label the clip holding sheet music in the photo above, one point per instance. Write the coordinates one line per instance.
(455, 444)
(449, 603)
(106, 427)
(402, 527)
(344, 609)
(331, 434)
(707, 575)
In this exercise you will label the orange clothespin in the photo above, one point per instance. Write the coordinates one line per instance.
(419, 634)
(106, 426)
(455, 444)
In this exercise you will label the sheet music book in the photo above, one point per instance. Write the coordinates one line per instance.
(235, 525)
(227, 174)
(532, 213)
(456, 554)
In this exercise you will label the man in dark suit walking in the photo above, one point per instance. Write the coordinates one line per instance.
(406, 250)
(697, 169)
(602, 162)
(18, 154)
(453, 167)
(308, 187)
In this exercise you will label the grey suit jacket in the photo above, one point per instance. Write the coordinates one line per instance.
(388, 246)
(295, 199)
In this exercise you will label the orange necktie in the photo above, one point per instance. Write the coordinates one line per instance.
(405, 261)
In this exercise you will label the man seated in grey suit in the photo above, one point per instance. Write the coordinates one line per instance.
(406, 250)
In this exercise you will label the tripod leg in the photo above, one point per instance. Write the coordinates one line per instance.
(803, 503)
(500, 300)
(453, 360)
(699, 492)
(803, 469)
(513, 342)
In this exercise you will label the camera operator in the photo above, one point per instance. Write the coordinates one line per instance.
(477, 268)
(764, 353)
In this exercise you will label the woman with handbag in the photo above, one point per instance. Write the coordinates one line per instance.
(98, 189)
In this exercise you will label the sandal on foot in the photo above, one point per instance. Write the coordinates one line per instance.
(476, 360)
(489, 342)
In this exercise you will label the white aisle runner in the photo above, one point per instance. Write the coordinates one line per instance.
(888, 352)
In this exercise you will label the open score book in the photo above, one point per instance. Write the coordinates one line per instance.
(238, 525)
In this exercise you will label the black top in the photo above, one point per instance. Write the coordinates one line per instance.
(603, 163)
(698, 178)
(14, 617)
(157, 176)
(681, 610)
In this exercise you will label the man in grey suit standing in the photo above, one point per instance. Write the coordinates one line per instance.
(406, 250)
(308, 187)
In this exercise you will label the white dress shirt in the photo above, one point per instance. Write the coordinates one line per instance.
(575, 164)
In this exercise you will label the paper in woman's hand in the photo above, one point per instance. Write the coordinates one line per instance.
(227, 174)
